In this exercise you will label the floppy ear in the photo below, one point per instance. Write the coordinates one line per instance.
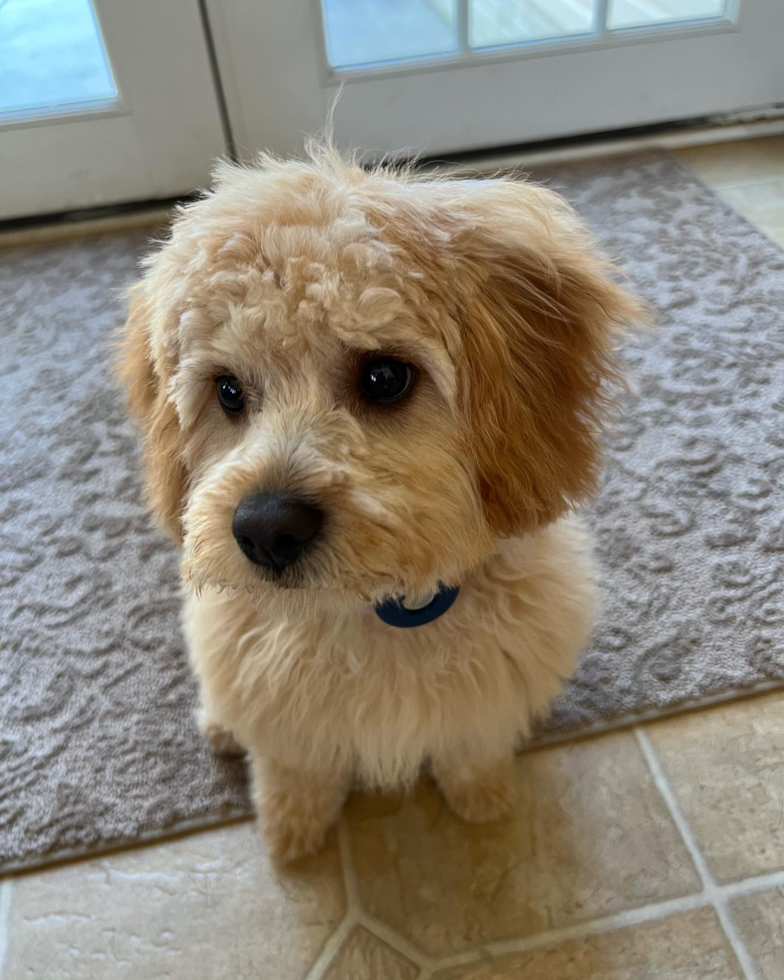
(540, 320)
(145, 373)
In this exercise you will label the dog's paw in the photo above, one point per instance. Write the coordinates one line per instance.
(220, 740)
(296, 809)
(292, 836)
(480, 804)
(486, 795)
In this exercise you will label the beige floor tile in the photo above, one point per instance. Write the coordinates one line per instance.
(731, 163)
(726, 766)
(690, 946)
(364, 956)
(760, 919)
(589, 837)
(762, 204)
(204, 907)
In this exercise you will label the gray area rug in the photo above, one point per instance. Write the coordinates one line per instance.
(97, 739)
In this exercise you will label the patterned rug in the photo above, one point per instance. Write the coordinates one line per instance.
(98, 744)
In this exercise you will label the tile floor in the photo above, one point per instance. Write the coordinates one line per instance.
(648, 854)
(749, 175)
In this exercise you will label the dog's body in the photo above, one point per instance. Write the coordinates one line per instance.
(356, 386)
(335, 695)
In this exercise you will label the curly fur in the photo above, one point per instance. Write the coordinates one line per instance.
(286, 275)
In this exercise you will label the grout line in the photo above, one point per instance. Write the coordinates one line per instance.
(349, 920)
(580, 930)
(666, 792)
(347, 863)
(748, 886)
(620, 920)
(711, 895)
(361, 917)
(332, 945)
(711, 890)
(393, 938)
(6, 895)
(629, 917)
(735, 939)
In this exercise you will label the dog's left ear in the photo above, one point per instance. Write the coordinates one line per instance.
(541, 315)
(145, 370)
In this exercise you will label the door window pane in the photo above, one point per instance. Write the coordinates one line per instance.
(51, 55)
(644, 13)
(365, 32)
(494, 22)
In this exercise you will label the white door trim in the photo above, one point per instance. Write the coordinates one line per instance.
(155, 141)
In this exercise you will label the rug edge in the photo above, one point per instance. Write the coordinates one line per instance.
(238, 815)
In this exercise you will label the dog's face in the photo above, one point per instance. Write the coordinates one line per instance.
(357, 382)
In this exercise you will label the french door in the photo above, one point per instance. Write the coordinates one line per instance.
(439, 76)
(103, 102)
(106, 101)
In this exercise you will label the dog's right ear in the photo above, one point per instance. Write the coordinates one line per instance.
(145, 371)
(542, 315)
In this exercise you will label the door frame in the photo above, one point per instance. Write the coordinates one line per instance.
(157, 139)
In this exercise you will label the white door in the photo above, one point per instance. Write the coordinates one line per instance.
(102, 104)
(438, 76)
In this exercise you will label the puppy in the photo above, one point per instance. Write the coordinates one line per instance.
(370, 403)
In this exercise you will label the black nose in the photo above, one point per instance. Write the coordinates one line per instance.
(273, 528)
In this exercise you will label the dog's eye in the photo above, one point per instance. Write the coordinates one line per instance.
(230, 394)
(386, 379)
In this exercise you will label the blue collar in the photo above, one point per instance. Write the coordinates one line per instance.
(393, 611)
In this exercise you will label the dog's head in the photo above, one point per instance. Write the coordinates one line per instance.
(357, 382)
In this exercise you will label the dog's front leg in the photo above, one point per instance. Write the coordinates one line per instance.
(477, 790)
(296, 808)
(219, 739)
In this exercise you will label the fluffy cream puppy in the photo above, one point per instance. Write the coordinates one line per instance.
(356, 387)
